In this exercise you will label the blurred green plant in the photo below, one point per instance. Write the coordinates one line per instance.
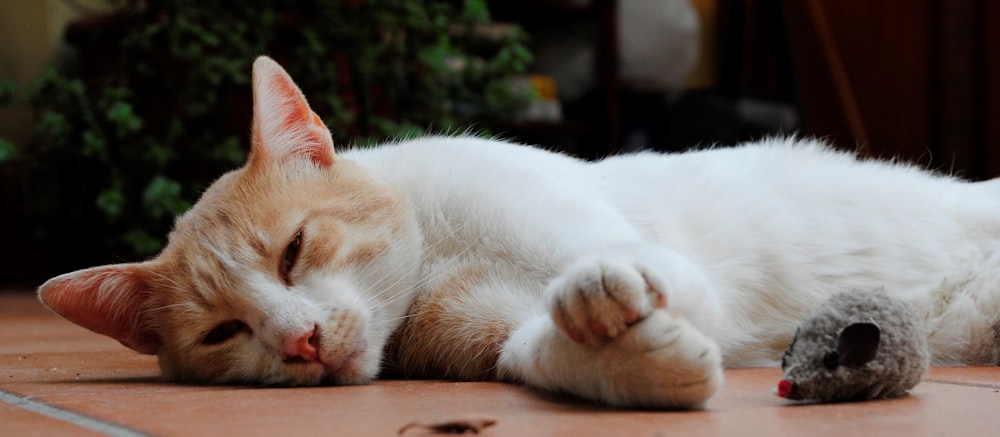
(7, 89)
(160, 105)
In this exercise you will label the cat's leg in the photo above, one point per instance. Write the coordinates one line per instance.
(610, 337)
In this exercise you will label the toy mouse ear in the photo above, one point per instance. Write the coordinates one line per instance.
(858, 344)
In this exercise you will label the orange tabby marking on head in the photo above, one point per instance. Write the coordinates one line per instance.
(365, 254)
(224, 259)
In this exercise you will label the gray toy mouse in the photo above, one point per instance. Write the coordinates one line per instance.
(857, 346)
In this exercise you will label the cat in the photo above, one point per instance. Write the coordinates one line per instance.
(631, 281)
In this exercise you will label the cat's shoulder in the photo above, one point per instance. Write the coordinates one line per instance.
(470, 152)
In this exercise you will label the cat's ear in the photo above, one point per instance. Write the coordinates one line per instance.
(109, 300)
(284, 127)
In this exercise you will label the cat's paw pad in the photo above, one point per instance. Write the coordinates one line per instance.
(598, 300)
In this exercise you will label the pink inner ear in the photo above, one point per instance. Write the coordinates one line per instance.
(315, 134)
(284, 125)
(109, 300)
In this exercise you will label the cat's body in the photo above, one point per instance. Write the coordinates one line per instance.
(628, 281)
(776, 227)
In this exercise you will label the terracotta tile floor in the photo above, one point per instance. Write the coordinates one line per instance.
(57, 379)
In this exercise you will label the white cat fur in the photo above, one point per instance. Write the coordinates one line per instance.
(775, 227)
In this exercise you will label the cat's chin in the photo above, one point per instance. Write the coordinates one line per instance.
(342, 368)
(353, 367)
(348, 368)
(350, 372)
(346, 378)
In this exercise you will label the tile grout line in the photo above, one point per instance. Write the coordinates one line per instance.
(963, 384)
(72, 417)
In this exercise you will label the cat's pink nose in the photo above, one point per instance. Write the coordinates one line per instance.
(302, 347)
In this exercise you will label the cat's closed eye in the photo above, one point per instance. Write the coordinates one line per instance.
(289, 257)
(224, 332)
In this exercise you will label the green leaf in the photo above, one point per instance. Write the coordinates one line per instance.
(162, 198)
(476, 11)
(126, 121)
(229, 151)
(142, 242)
(94, 144)
(7, 150)
(53, 124)
(7, 90)
(112, 203)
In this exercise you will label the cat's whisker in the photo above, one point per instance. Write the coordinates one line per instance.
(390, 301)
(383, 287)
(406, 316)
(161, 308)
(423, 280)
(177, 285)
(378, 284)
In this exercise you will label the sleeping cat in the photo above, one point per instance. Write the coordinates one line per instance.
(631, 281)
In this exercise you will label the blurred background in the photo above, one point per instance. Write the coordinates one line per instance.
(116, 114)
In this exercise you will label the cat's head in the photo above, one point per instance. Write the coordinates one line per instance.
(293, 270)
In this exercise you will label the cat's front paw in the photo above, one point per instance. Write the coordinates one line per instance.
(662, 361)
(669, 362)
(597, 300)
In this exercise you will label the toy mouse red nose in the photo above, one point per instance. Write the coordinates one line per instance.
(784, 388)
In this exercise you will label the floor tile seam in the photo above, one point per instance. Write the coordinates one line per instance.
(68, 416)
(963, 384)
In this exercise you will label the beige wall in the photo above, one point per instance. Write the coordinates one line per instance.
(30, 38)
